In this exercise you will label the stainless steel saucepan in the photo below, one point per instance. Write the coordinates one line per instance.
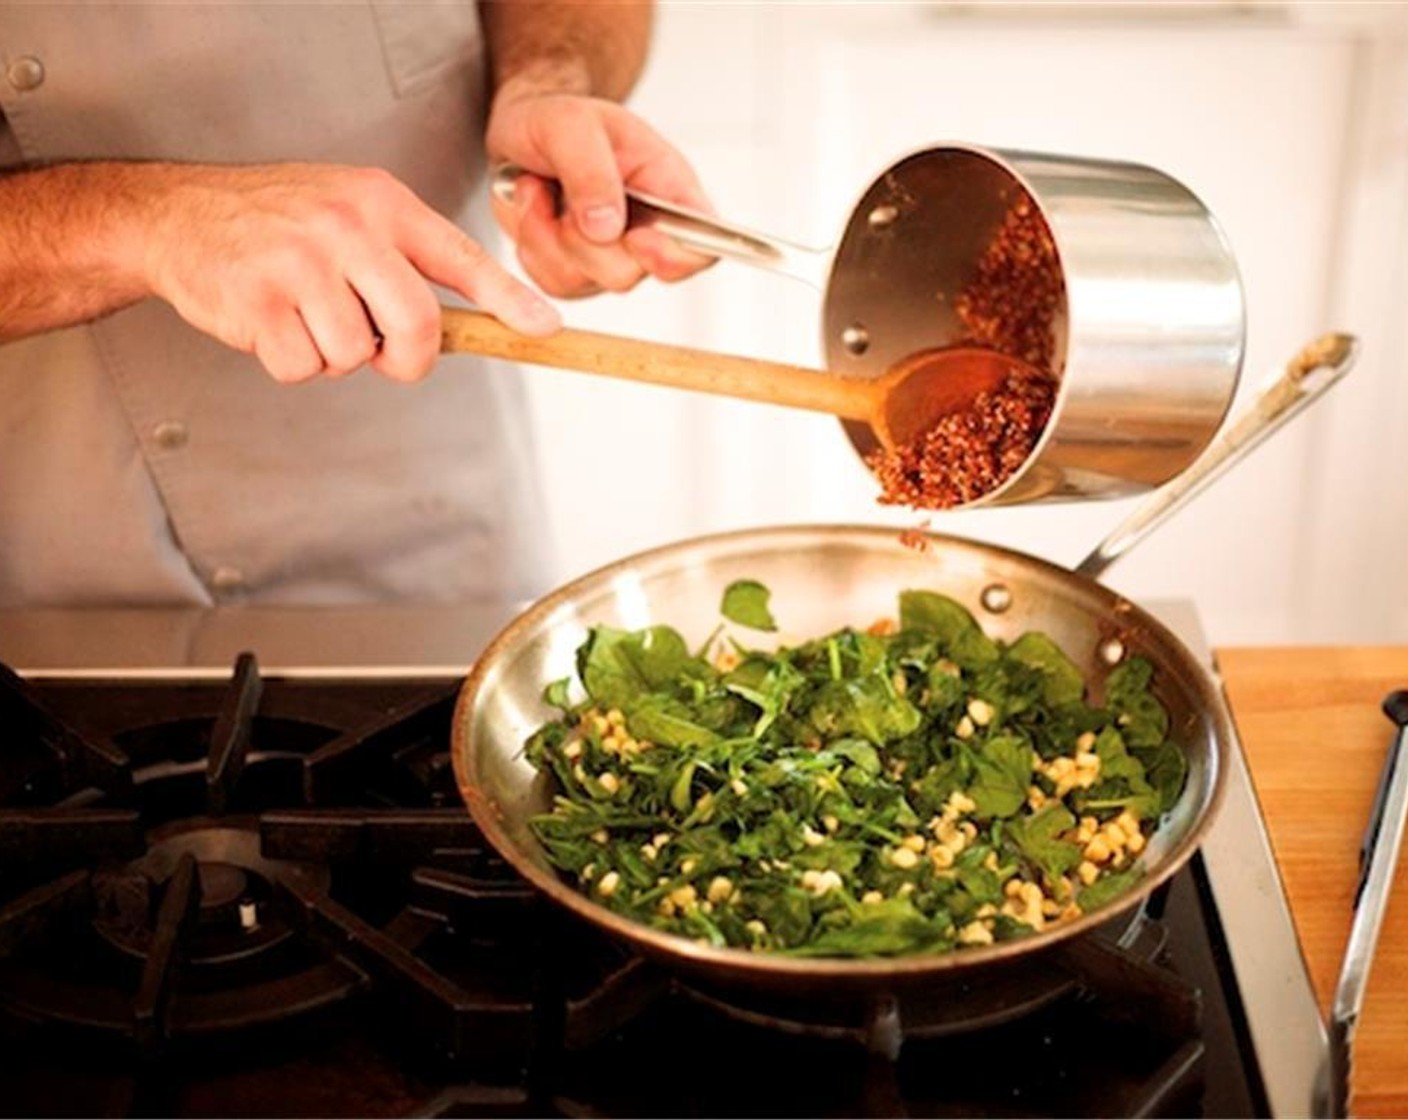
(824, 578)
(1146, 336)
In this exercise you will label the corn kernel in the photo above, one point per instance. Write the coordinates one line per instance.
(1088, 872)
(904, 858)
(1098, 850)
(980, 712)
(720, 889)
(610, 782)
(608, 884)
(1135, 844)
(684, 897)
(871, 898)
(914, 842)
(975, 933)
(941, 857)
(964, 729)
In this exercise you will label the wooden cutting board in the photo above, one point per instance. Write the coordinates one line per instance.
(1315, 738)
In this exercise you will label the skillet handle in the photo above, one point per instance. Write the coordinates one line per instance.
(1317, 366)
(703, 233)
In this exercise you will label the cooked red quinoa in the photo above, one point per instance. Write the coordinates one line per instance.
(969, 453)
(1010, 306)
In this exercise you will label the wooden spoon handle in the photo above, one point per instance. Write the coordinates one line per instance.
(679, 367)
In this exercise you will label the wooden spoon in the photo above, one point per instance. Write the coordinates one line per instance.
(899, 407)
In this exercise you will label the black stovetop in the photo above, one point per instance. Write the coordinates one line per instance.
(264, 898)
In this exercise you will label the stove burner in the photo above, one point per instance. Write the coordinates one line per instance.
(236, 891)
(209, 897)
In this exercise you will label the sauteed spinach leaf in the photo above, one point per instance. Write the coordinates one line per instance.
(913, 787)
(746, 603)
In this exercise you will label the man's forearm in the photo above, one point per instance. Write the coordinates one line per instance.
(595, 48)
(68, 244)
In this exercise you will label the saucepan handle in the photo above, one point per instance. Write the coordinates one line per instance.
(1317, 366)
(701, 232)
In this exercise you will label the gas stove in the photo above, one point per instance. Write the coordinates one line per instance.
(232, 889)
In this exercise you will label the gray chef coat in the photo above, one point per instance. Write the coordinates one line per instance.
(142, 462)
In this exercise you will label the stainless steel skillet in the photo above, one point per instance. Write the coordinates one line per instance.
(823, 578)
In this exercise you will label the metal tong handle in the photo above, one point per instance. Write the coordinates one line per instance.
(1317, 366)
(701, 232)
(1386, 827)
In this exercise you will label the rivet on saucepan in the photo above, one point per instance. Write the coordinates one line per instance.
(882, 217)
(249, 916)
(856, 339)
(1111, 651)
(996, 597)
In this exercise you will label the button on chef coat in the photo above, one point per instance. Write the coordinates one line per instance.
(142, 462)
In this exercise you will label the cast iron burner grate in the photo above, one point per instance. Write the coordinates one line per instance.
(264, 898)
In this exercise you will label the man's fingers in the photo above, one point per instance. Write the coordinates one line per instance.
(285, 348)
(539, 249)
(566, 264)
(664, 257)
(579, 148)
(337, 321)
(406, 313)
(442, 252)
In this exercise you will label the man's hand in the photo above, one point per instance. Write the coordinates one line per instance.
(321, 269)
(314, 269)
(594, 149)
(557, 69)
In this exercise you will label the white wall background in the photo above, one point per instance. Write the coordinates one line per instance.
(1291, 123)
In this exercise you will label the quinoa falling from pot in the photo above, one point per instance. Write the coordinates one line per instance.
(1010, 306)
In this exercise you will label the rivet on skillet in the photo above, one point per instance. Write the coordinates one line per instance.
(996, 597)
(856, 339)
(882, 217)
(1111, 651)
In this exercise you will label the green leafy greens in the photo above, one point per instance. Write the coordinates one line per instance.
(867, 793)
